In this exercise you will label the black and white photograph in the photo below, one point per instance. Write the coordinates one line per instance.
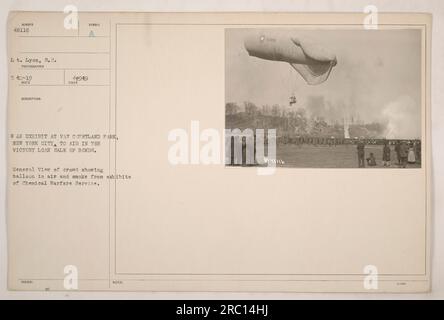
(336, 98)
(241, 155)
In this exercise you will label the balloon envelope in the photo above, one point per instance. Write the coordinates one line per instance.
(312, 62)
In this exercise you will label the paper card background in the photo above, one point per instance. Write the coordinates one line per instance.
(320, 6)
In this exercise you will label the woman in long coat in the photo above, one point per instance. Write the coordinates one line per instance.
(411, 157)
(386, 155)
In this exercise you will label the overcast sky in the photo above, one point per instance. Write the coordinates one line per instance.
(378, 77)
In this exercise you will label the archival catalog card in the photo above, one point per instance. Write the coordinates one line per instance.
(282, 152)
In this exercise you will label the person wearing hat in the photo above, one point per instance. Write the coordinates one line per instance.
(386, 155)
(361, 153)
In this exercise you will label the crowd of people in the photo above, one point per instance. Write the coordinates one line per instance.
(407, 152)
(393, 152)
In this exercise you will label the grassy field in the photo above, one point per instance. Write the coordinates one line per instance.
(322, 156)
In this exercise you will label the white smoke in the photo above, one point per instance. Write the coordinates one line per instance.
(346, 129)
(402, 118)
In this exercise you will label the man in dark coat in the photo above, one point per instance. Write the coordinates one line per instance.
(361, 153)
(386, 155)
(398, 155)
(403, 153)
